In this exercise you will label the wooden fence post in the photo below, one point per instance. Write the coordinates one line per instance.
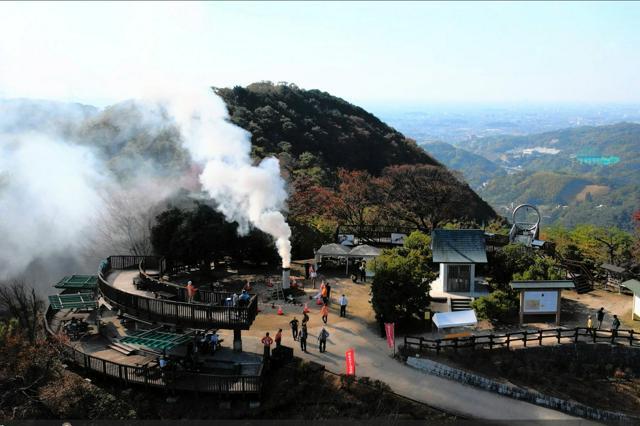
(508, 340)
(524, 338)
(491, 341)
(630, 337)
(558, 334)
(539, 337)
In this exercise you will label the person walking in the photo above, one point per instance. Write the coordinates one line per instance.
(267, 342)
(325, 313)
(328, 287)
(323, 292)
(615, 325)
(303, 338)
(363, 271)
(294, 328)
(305, 319)
(313, 275)
(589, 325)
(278, 338)
(343, 305)
(600, 317)
(322, 340)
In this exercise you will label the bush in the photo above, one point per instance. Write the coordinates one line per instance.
(500, 306)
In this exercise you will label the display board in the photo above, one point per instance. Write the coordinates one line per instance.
(540, 301)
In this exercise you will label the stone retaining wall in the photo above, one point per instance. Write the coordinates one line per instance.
(516, 392)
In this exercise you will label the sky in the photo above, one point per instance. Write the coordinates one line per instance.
(365, 52)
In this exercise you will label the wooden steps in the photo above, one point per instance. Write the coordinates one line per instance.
(123, 348)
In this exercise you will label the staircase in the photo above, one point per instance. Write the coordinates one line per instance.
(461, 304)
(123, 348)
(579, 273)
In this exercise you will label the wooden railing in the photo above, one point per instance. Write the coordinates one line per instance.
(153, 376)
(210, 314)
(490, 341)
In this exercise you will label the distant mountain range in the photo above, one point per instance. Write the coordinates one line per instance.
(579, 175)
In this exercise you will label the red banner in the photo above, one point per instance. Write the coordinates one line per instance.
(390, 330)
(350, 357)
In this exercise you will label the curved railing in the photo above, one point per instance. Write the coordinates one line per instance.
(152, 376)
(210, 314)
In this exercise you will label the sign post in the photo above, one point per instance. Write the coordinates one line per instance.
(389, 328)
(350, 358)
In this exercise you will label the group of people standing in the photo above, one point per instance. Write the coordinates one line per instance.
(615, 324)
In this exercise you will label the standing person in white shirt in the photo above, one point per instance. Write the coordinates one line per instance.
(343, 305)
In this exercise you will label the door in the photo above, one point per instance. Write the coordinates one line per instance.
(459, 278)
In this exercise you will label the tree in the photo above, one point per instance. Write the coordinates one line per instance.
(22, 303)
(499, 306)
(543, 268)
(504, 263)
(400, 289)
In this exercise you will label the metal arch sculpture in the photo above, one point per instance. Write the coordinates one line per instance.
(525, 231)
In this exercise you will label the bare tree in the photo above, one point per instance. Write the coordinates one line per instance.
(21, 302)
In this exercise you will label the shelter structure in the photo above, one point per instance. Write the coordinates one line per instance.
(458, 251)
(615, 276)
(340, 251)
(634, 286)
(78, 283)
(541, 297)
(452, 320)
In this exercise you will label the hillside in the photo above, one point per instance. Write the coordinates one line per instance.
(317, 130)
(475, 168)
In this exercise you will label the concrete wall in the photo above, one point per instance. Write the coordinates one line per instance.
(516, 392)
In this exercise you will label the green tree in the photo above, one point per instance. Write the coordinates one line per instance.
(499, 306)
(400, 289)
(543, 268)
(507, 261)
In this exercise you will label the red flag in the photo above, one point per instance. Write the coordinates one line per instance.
(390, 330)
(350, 357)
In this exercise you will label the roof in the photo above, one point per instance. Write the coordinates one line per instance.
(332, 250)
(633, 285)
(153, 339)
(612, 268)
(542, 284)
(69, 301)
(365, 250)
(455, 319)
(78, 282)
(458, 246)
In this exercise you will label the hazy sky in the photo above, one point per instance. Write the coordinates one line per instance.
(362, 51)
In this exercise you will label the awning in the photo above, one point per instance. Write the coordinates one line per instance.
(633, 285)
(71, 301)
(158, 340)
(78, 282)
(455, 319)
(334, 250)
(612, 268)
(365, 250)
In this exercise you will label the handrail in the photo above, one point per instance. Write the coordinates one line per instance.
(184, 380)
(559, 335)
(195, 315)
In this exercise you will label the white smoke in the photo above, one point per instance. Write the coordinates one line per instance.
(247, 194)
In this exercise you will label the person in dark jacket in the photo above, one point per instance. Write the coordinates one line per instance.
(303, 338)
(294, 328)
(600, 317)
(322, 340)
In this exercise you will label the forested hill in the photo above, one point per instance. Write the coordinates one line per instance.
(318, 129)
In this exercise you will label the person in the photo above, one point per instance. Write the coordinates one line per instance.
(363, 271)
(278, 338)
(307, 266)
(615, 325)
(191, 291)
(244, 298)
(303, 338)
(589, 322)
(328, 288)
(267, 342)
(294, 328)
(215, 340)
(325, 313)
(322, 339)
(235, 298)
(313, 274)
(305, 318)
(600, 317)
(343, 306)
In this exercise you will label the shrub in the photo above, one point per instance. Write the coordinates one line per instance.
(499, 306)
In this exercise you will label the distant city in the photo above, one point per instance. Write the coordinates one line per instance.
(457, 123)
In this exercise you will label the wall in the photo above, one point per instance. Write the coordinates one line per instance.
(507, 389)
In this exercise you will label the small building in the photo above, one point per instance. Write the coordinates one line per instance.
(458, 251)
(634, 286)
(615, 276)
(541, 297)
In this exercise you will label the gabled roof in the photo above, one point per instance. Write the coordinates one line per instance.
(333, 250)
(542, 284)
(633, 285)
(78, 282)
(458, 246)
(612, 268)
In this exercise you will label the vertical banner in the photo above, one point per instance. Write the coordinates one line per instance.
(391, 338)
(350, 357)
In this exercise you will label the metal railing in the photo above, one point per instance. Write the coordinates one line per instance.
(500, 340)
(210, 314)
(152, 376)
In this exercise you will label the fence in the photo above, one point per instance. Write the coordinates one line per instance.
(490, 341)
(196, 315)
(153, 376)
